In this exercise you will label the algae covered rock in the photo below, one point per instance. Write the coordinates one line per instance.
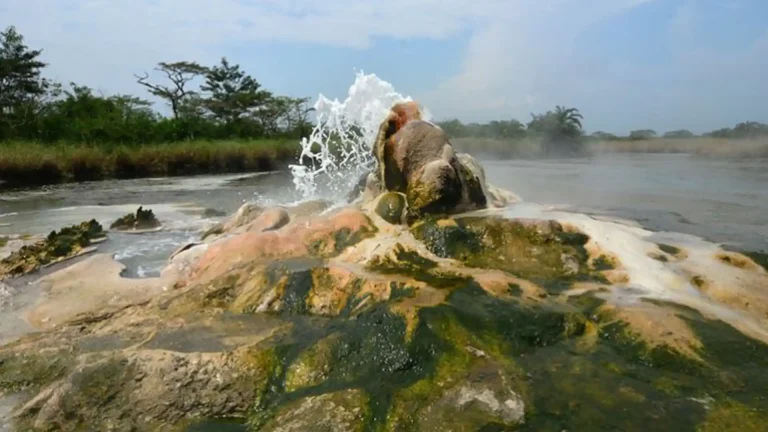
(526, 248)
(139, 221)
(391, 207)
(342, 411)
(57, 246)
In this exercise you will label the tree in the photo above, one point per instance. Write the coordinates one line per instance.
(453, 128)
(179, 74)
(604, 136)
(560, 130)
(21, 84)
(233, 94)
(681, 133)
(561, 123)
(297, 117)
(750, 129)
(511, 129)
(642, 134)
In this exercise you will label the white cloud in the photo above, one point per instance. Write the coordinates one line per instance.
(520, 57)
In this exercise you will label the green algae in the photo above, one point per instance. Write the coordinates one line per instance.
(312, 366)
(728, 416)
(349, 413)
(528, 250)
(22, 371)
(409, 263)
(464, 360)
(296, 291)
(3, 241)
(515, 290)
(58, 245)
(603, 263)
(425, 198)
(669, 249)
(339, 240)
(391, 207)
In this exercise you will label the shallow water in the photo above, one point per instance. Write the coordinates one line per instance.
(720, 200)
(725, 201)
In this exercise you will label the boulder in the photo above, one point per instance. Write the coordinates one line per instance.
(416, 158)
(142, 220)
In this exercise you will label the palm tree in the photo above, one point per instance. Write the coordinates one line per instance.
(569, 121)
(561, 130)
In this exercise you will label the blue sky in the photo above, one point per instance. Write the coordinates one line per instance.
(626, 64)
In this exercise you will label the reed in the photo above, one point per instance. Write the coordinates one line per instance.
(34, 164)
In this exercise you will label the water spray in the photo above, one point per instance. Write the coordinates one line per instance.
(338, 151)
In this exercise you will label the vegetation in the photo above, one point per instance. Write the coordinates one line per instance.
(141, 220)
(559, 133)
(217, 102)
(222, 120)
(57, 246)
(35, 163)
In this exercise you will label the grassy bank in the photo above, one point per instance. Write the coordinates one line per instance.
(33, 164)
(705, 147)
(711, 147)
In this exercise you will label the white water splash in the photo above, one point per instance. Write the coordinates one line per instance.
(338, 152)
(653, 279)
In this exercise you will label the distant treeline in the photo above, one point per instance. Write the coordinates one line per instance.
(557, 123)
(206, 102)
(223, 102)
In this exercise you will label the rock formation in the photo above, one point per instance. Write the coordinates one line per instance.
(56, 247)
(414, 157)
(142, 220)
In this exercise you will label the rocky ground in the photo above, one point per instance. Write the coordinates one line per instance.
(388, 317)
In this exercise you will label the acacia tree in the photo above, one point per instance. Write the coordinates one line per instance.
(21, 84)
(233, 94)
(179, 74)
(296, 116)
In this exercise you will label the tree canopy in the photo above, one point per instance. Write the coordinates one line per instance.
(206, 102)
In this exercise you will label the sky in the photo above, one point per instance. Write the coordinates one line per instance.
(625, 64)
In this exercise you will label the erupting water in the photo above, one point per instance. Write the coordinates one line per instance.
(338, 151)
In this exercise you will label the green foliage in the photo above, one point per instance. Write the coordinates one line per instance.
(642, 134)
(743, 130)
(560, 131)
(603, 136)
(233, 93)
(219, 102)
(25, 163)
(21, 85)
(682, 133)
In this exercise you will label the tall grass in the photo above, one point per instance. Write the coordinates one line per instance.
(705, 147)
(710, 147)
(32, 164)
(524, 148)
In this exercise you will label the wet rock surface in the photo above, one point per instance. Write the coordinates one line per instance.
(56, 247)
(142, 220)
(315, 318)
